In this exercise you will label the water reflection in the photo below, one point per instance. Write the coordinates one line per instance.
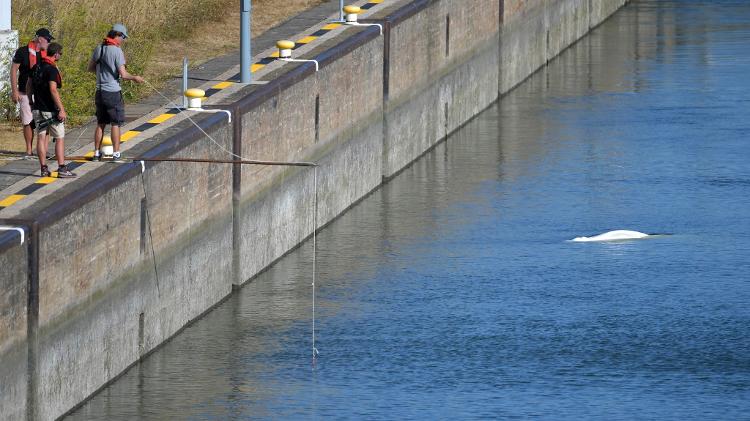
(451, 293)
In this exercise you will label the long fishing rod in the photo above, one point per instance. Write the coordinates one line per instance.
(205, 160)
(242, 161)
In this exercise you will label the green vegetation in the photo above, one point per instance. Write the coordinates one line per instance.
(80, 25)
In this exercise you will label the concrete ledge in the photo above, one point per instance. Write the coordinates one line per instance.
(14, 284)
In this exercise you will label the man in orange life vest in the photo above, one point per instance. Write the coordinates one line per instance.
(24, 59)
(49, 113)
(108, 62)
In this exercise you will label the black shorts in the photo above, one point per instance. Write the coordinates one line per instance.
(110, 108)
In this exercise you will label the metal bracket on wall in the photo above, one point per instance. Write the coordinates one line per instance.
(19, 229)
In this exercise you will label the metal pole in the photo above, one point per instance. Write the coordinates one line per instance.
(5, 11)
(341, 10)
(184, 82)
(245, 41)
(8, 42)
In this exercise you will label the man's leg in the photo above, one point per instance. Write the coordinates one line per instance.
(117, 114)
(28, 136)
(41, 148)
(116, 137)
(27, 119)
(60, 151)
(98, 135)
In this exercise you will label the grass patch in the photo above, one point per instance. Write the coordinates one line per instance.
(80, 25)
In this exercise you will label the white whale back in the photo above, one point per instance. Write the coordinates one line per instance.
(616, 235)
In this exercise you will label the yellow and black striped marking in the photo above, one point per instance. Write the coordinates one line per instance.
(275, 55)
(130, 134)
(13, 198)
(372, 3)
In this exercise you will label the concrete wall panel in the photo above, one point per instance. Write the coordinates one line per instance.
(102, 305)
(442, 71)
(14, 286)
(346, 142)
(13, 328)
(523, 47)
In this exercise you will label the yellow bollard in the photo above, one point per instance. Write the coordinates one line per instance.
(285, 48)
(351, 13)
(195, 96)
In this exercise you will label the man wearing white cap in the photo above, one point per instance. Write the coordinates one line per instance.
(108, 62)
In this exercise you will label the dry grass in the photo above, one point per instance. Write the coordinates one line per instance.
(162, 32)
(210, 39)
(11, 138)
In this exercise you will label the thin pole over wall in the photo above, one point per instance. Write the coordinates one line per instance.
(341, 10)
(245, 41)
(4, 15)
(8, 42)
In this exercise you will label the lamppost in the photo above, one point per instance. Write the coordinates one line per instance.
(246, 54)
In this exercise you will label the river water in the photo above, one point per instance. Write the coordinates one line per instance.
(452, 292)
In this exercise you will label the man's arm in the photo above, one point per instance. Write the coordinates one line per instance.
(15, 96)
(91, 66)
(127, 76)
(61, 115)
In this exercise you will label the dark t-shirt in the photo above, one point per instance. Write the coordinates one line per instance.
(21, 57)
(42, 75)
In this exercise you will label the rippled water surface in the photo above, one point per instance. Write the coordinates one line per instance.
(452, 293)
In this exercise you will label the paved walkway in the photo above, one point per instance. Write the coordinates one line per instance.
(13, 171)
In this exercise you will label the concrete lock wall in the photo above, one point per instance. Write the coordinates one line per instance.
(101, 305)
(332, 117)
(131, 258)
(442, 70)
(13, 324)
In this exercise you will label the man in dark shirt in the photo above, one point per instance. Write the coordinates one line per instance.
(23, 60)
(49, 113)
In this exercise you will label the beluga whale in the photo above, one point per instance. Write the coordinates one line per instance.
(616, 235)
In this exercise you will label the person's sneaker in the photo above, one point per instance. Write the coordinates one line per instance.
(97, 156)
(117, 157)
(45, 171)
(28, 157)
(64, 172)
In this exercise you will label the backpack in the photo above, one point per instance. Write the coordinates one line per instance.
(37, 77)
(40, 85)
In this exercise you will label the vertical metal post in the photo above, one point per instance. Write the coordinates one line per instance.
(8, 42)
(184, 82)
(5, 11)
(245, 41)
(341, 10)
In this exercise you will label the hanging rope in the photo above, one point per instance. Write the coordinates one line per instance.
(150, 236)
(172, 104)
(245, 161)
(315, 352)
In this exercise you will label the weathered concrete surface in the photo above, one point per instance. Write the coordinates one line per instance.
(442, 70)
(103, 300)
(132, 259)
(346, 142)
(13, 325)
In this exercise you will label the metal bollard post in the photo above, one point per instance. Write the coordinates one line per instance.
(184, 82)
(245, 41)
